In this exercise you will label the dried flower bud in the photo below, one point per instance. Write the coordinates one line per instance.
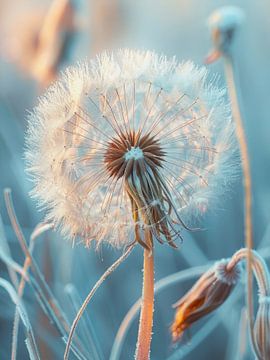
(208, 293)
(223, 24)
(262, 328)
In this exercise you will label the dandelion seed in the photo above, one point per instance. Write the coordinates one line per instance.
(129, 138)
(208, 293)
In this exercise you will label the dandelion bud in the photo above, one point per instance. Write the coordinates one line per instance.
(208, 293)
(262, 328)
(223, 24)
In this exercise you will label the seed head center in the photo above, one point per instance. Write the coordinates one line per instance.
(133, 150)
(134, 153)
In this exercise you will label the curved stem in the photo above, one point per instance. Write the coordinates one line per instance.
(147, 307)
(229, 71)
(259, 267)
(89, 297)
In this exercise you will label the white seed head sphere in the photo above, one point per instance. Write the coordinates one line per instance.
(129, 140)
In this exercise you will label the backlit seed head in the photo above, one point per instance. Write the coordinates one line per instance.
(126, 142)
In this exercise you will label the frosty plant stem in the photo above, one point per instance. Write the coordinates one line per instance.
(246, 181)
(147, 308)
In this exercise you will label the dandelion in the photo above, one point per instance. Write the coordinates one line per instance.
(129, 138)
(208, 293)
(128, 148)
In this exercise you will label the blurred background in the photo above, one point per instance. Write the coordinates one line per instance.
(41, 37)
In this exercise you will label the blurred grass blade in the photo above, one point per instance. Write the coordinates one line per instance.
(31, 342)
(39, 284)
(40, 229)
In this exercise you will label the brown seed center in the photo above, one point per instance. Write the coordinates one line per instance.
(130, 150)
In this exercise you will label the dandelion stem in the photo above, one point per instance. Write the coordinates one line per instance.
(229, 71)
(147, 307)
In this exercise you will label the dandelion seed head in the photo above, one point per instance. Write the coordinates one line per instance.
(129, 139)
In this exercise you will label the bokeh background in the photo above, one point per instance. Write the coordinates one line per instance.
(174, 27)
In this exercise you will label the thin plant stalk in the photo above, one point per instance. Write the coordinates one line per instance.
(229, 71)
(41, 282)
(147, 306)
(40, 229)
(108, 272)
(5, 253)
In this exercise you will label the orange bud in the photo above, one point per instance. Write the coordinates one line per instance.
(208, 293)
